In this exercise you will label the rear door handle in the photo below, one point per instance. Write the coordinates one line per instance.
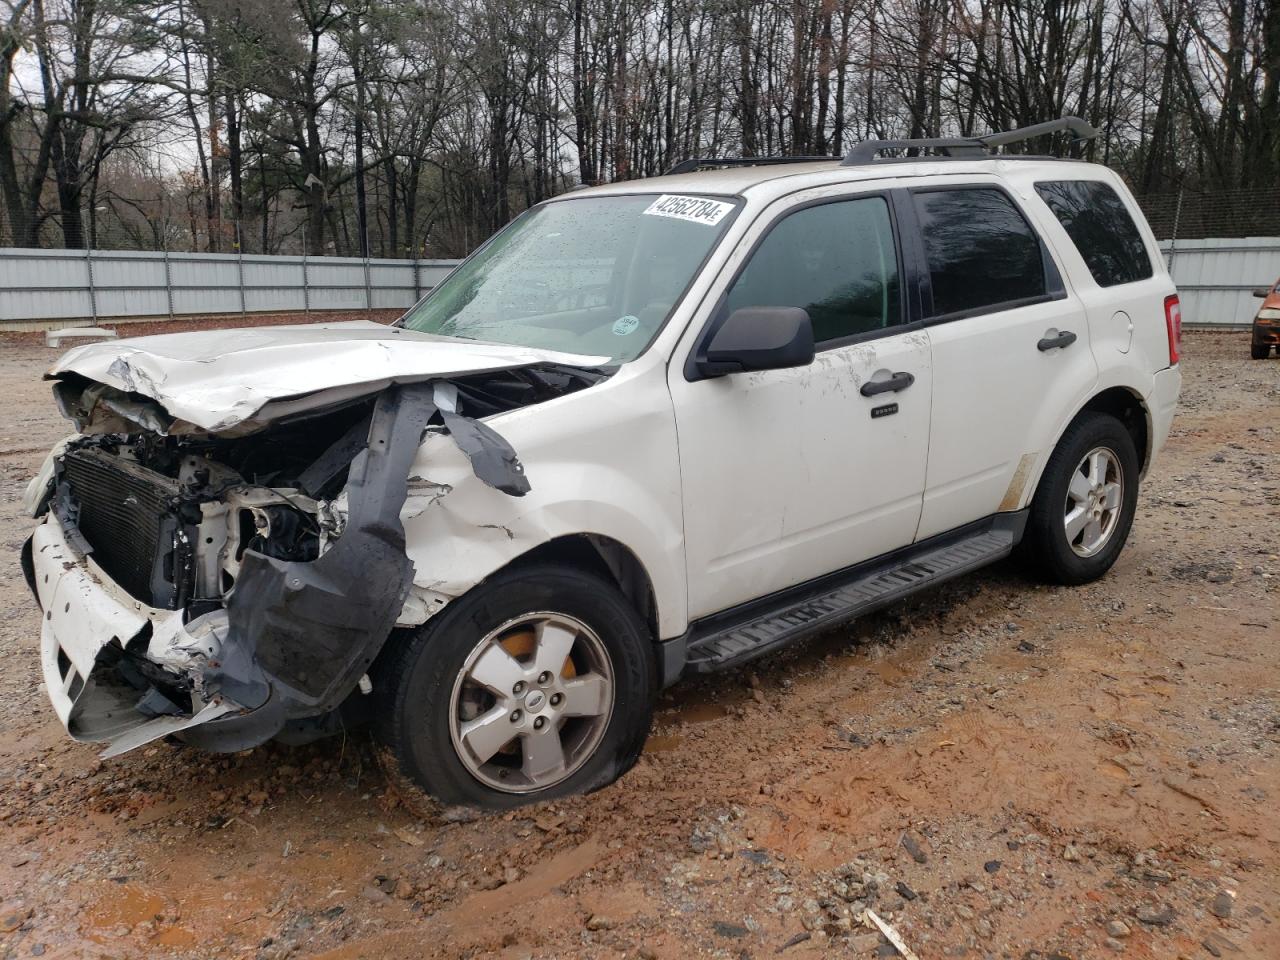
(899, 381)
(1064, 339)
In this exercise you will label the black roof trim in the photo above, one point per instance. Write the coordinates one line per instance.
(948, 148)
(969, 148)
(700, 163)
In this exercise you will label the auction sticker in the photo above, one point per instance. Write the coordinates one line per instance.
(694, 209)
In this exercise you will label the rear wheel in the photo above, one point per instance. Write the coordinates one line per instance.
(537, 684)
(1084, 506)
(1259, 351)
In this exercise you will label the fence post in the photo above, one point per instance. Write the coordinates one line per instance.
(240, 267)
(93, 293)
(368, 290)
(306, 287)
(168, 279)
(1173, 241)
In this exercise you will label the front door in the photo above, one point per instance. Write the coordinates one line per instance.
(791, 474)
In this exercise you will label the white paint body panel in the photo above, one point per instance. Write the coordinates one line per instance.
(996, 400)
(601, 461)
(787, 477)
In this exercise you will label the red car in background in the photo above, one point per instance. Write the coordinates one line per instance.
(1266, 325)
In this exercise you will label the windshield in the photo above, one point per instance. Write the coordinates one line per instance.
(595, 275)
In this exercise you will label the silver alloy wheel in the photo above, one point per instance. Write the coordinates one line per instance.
(1095, 498)
(532, 702)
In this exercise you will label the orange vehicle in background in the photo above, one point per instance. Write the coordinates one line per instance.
(1266, 325)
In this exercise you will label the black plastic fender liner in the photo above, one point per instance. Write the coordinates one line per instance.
(313, 627)
(493, 459)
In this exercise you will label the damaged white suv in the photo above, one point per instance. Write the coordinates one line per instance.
(648, 429)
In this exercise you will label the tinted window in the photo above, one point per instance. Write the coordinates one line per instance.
(836, 260)
(1102, 230)
(981, 250)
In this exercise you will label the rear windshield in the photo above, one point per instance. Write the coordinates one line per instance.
(1098, 224)
(593, 275)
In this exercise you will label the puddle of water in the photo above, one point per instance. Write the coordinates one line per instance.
(176, 938)
(700, 713)
(661, 744)
(123, 906)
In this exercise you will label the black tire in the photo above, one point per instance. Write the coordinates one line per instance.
(416, 675)
(1259, 351)
(1046, 544)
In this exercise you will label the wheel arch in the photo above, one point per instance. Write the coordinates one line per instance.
(1126, 405)
(608, 558)
(1131, 410)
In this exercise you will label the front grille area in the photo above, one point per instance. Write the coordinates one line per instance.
(125, 512)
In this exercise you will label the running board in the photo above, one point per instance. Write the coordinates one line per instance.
(753, 629)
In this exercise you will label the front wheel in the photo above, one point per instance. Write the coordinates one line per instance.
(1084, 506)
(537, 684)
(1259, 351)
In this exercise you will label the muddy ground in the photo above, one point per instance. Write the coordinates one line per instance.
(997, 768)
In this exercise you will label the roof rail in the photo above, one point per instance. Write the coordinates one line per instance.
(970, 147)
(698, 163)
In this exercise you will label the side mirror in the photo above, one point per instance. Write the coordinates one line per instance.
(1262, 292)
(759, 338)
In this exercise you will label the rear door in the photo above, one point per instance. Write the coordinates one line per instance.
(1010, 348)
(1113, 273)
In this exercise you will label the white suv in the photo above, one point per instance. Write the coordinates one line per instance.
(650, 428)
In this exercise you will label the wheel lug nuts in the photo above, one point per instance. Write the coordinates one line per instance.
(518, 688)
(516, 715)
(544, 677)
(557, 699)
(539, 723)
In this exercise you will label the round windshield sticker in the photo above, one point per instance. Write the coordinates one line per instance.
(624, 325)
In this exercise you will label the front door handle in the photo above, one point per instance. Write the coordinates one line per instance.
(1064, 339)
(899, 381)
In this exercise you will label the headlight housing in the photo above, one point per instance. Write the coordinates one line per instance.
(1269, 313)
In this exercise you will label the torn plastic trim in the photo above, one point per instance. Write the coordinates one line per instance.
(492, 459)
(313, 627)
(300, 634)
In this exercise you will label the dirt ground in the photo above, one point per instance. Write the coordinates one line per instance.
(997, 768)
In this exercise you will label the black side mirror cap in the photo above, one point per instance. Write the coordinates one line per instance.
(759, 338)
(1262, 292)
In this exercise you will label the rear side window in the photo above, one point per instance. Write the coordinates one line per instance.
(982, 253)
(836, 260)
(1098, 224)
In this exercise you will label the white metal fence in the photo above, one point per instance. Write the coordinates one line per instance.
(1216, 279)
(38, 286)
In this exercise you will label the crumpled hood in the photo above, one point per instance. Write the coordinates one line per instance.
(217, 380)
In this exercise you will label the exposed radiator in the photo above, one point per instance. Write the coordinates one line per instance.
(126, 513)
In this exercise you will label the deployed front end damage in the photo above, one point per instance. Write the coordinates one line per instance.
(230, 589)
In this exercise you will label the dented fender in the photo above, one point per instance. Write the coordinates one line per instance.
(460, 531)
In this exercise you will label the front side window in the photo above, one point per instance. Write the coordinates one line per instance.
(1098, 224)
(837, 261)
(595, 275)
(981, 251)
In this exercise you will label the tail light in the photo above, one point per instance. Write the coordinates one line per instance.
(1173, 321)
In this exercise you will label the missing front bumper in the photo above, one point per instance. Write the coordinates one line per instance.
(94, 653)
